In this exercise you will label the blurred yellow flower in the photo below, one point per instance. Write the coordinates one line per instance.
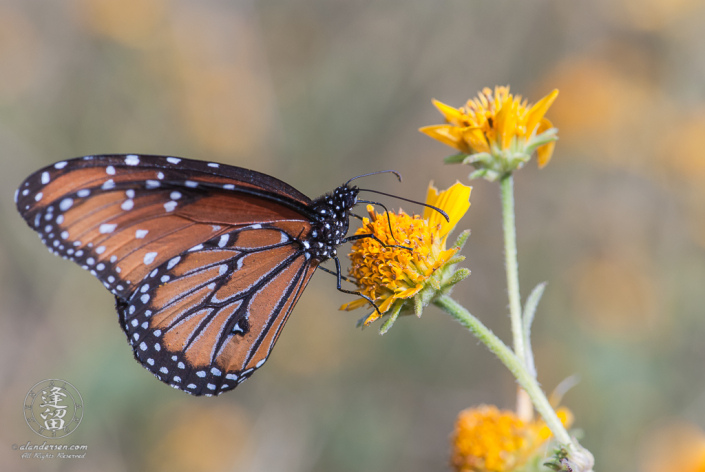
(487, 439)
(391, 274)
(675, 446)
(497, 132)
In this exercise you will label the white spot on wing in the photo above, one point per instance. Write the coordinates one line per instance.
(60, 165)
(213, 164)
(149, 257)
(191, 183)
(83, 193)
(173, 160)
(196, 248)
(229, 187)
(65, 204)
(38, 196)
(45, 178)
(173, 262)
(110, 170)
(223, 240)
(175, 195)
(108, 184)
(141, 233)
(152, 184)
(169, 206)
(127, 204)
(107, 228)
(144, 298)
(132, 160)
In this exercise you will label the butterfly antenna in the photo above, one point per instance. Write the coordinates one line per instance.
(445, 215)
(375, 173)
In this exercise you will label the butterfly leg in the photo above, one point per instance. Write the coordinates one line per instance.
(341, 289)
(342, 277)
(355, 237)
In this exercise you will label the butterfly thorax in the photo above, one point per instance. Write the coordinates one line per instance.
(331, 212)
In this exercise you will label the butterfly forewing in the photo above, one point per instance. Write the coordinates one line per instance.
(122, 216)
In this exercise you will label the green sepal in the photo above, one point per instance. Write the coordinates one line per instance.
(462, 239)
(455, 158)
(361, 322)
(455, 260)
(480, 157)
(392, 318)
(458, 275)
(418, 306)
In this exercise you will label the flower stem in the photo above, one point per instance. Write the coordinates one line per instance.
(510, 256)
(524, 409)
(515, 366)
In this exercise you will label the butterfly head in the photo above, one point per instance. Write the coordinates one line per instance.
(332, 213)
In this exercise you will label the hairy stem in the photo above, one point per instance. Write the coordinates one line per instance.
(515, 366)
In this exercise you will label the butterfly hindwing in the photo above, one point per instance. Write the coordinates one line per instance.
(206, 319)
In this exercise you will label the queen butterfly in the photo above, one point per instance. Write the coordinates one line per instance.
(206, 261)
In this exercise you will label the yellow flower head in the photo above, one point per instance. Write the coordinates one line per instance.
(499, 131)
(394, 274)
(488, 439)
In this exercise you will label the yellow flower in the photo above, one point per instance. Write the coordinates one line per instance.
(497, 132)
(488, 439)
(392, 275)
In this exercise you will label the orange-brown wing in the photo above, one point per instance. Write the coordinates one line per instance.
(123, 216)
(206, 319)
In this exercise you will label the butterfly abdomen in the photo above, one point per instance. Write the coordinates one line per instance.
(332, 213)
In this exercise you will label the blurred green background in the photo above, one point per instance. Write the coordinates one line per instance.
(315, 92)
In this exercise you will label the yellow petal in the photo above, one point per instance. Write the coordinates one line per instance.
(452, 115)
(475, 140)
(354, 304)
(455, 202)
(535, 115)
(387, 304)
(447, 134)
(544, 153)
(502, 122)
(410, 292)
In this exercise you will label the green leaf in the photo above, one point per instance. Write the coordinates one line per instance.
(528, 318)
